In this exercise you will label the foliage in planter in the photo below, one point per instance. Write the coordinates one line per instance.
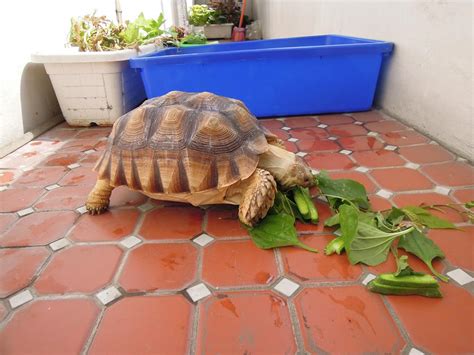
(177, 36)
(97, 33)
(200, 15)
(218, 12)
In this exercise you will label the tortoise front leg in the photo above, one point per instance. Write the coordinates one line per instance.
(257, 198)
(99, 198)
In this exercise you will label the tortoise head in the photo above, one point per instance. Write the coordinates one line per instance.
(298, 173)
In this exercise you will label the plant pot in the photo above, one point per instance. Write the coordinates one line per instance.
(94, 87)
(218, 31)
(238, 34)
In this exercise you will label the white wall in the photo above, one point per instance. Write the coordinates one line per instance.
(429, 80)
(26, 95)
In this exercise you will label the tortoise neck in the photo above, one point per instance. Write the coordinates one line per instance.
(277, 161)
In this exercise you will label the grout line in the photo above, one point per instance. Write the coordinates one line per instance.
(93, 332)
(398, 323)
(295, 324)
(194, 330)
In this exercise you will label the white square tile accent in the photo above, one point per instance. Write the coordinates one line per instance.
(302, 154)
(108, 295)
(286, 287)
(434, 143)
(25, 212)
(412, 166)
(358, 123)
(461, 160)
(198, 292)
(20, 298)
(460, 276)
(73, 166)
(332, 138)
(285, 128)
(59, 244)
(361, 169)
(281, 119)
(81, 209)
(322, 125)
(391, 147)
(372, 134)
(130, 242)
(315, 171)
(368, 278)
(52, 187)
(337, 232)
(293, 140)
(442, 190)
(322, 198)
(414, 351)
(90, 151)
(3, 188)
(146, 207)
(345, 152)
(203, 240)
(25, 169)
(384, 193)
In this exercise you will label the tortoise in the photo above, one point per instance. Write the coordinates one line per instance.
(198, 148)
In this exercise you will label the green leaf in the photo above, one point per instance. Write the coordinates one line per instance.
(371, 245)
(277, 231)
(349, 220)
(402, 266)
(424, 248)
(421, 216)
(469, 204)
(334, 246)
(332, 221)
(339, 190)
(395, 216)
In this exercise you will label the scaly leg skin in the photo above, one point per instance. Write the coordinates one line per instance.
(99, 198)
(258, 197)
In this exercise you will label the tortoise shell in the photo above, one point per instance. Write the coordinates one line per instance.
(183, 142)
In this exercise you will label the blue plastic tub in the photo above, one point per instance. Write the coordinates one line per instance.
(278, 77)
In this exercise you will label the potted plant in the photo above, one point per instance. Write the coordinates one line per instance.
(215, 21)
(92, 80)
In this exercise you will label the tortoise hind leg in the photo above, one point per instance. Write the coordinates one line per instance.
(257, 198)
(99, 198)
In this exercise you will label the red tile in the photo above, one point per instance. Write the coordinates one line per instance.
(50, 327)
(464, 195)
(401, 179)
(312, 133)
(347, 130)
(18, 266)
(172, 223)
(378, 158)
(245, 323)
(79, 145)
(438, 325)
(123, 196)
(290, 146)
(79, 176)
(16, 199)
(402, 200)
(224, 222)
(344, 320)
(61, 159)
(159, 267)
(145, 325)
(96, 133)
(329, 161)
(79, 269)
(337, 119)
(298, 122)
(354, 175)
(451, 174)
(324, 213)
(317, 145)
(309, 266)
(6, 220)
(90, 160)
(58, 134)
(238, 263)
(3, 311)
(402, 138)
(428, 153)
(39, 228)
(21, 160)
(112, 225)
(41, 177)
(271, 124)
(457, 245)
(385, 126)
(41, 146)
(360, 143)
(63, 198)
(8, 176)
(379, 203)
(369, 116)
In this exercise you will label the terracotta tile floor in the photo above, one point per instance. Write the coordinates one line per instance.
(118, 283)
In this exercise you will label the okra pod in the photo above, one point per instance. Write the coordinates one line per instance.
(377, 287)
(301, 203)
(423, 280)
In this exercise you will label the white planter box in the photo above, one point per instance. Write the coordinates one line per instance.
(217, 31)
(94, 87)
